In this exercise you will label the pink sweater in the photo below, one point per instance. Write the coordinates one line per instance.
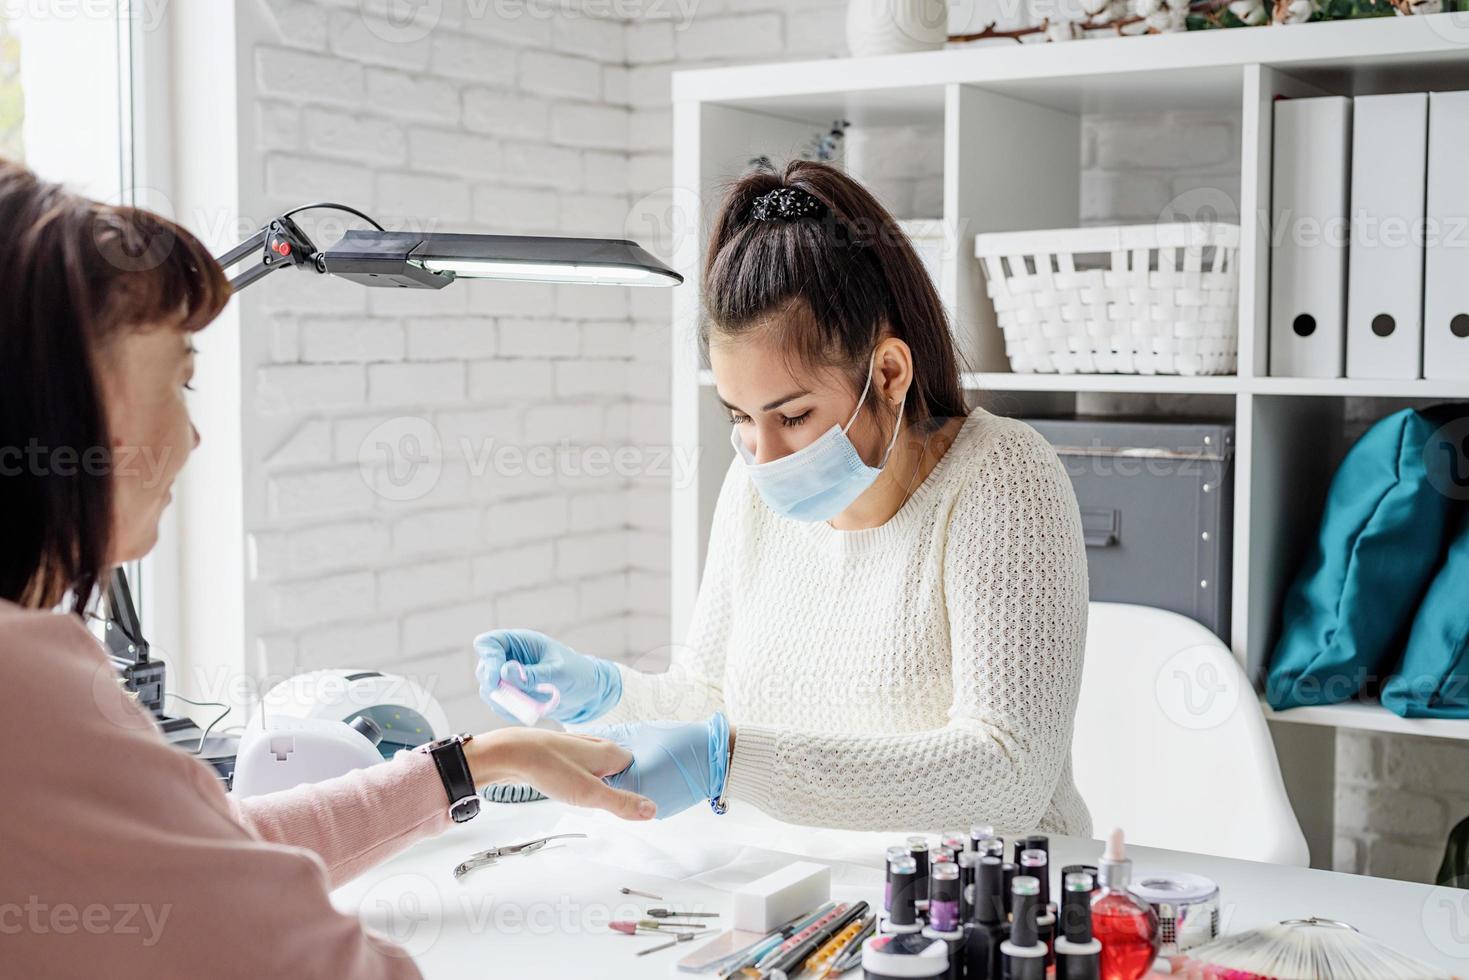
(121, 856)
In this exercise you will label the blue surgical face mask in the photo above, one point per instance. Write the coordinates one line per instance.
(819, 481)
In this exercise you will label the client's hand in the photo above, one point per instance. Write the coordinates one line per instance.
(677, 764)
(565, 767)
(589, 686)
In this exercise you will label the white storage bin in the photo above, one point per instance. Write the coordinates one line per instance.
(1129, 299)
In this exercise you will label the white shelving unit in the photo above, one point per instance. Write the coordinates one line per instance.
(1011, 117)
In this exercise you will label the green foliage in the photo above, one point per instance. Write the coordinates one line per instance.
(1350, 9)
(12, 106)
(12, 98)
(1204, 20)
(1220, 18)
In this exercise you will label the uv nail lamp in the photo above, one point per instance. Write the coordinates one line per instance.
(279, 753)
(403, 712)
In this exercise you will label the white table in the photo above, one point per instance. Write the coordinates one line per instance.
(546, 914)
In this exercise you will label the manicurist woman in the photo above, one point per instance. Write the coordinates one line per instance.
(121, 856)
(889, 628)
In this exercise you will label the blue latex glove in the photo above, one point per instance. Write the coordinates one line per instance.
(589, 686)
(675, 764)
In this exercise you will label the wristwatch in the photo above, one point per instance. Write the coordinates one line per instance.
(448, 756)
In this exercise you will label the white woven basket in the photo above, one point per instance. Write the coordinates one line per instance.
(1130, 299)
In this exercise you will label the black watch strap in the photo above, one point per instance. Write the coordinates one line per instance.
(453, 766)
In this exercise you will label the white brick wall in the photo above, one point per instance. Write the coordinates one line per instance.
(536, 117)
(514, 123)
(1396, 799)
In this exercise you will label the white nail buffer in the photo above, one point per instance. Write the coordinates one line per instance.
(782, 895)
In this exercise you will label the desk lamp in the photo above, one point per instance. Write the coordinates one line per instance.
(395, 260)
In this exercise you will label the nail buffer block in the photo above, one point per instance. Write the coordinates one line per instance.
(782, 895)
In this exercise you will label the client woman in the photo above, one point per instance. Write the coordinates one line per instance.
(890, 624)
(120, 855)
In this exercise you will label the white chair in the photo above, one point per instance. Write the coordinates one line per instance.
(1171, 744)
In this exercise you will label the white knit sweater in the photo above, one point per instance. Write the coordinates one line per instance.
(918, 675)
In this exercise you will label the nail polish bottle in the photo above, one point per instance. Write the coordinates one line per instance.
(1033, 862)
(1042, 843)
(887, 888)
(987, 927)
(918, 850)
(978, 833)
(1125, 925)
(903, 916)
(943, 914)
(1023, 955)
(1078, 955)
(968, 865)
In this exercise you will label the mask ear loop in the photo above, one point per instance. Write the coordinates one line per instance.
(897, 426)
(871, 362)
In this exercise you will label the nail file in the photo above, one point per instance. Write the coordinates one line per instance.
(768, 902)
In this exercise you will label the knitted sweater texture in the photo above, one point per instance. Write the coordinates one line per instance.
(922, 674)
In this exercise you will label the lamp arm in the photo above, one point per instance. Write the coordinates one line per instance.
(243, 249)
(284, 244)
(280, 243)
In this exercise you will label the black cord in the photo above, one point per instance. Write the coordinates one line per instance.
(334, 207)
(199, 749)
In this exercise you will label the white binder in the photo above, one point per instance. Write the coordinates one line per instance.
(1385, 267)
(1308, 237)
(1446, 255)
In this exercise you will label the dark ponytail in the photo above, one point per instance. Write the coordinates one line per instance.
(840, 277)
(74, 274)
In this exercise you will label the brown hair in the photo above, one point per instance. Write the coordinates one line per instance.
(75, 274)
(846, 276)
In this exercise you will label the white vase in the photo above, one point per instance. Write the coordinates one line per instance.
(896, 26)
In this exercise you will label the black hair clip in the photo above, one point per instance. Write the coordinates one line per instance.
(785, 204)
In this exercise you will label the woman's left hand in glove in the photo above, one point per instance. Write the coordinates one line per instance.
(675, 764)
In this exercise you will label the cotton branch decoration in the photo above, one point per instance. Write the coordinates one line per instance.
(1171, 16)
(1117, 16)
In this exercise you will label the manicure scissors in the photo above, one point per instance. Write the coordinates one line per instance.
(489, 856)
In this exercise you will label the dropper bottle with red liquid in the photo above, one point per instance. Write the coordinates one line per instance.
(1126, 926)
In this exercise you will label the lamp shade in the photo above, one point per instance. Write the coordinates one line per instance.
(421, 261)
